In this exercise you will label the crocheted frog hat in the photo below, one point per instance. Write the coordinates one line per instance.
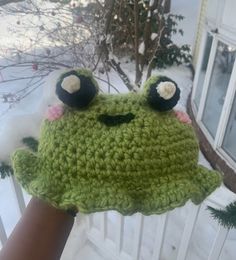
(126, 152)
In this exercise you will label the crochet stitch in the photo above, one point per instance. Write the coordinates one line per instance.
(118, 153)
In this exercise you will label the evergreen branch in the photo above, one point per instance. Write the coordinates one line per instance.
(227, 217)
(5, 170)
(31, 143)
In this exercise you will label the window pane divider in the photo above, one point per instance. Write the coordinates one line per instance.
(199, 64)
(207, 78)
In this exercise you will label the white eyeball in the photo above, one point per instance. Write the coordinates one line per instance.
(71, 84)
(166, 89)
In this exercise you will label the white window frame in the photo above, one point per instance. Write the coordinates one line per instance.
(205, 88)
(224, 29)
(216, 23)
(198, 70)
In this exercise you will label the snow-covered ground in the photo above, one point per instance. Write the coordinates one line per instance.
(26, 116)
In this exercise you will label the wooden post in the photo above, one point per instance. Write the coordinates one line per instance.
(218, 243)
(159, 238)
(138, 236)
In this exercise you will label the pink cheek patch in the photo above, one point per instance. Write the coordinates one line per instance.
(54, 112)
(183, 117)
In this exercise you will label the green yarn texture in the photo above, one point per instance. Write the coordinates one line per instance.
(147, 165)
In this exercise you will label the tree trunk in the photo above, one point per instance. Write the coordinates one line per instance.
(103, 48)
(138, 74)
(158, 39)
(109, 5)
(146, 40)
(167, 6)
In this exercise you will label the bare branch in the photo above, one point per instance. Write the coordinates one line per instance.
(157, 46)
(5, 2)
(122, 75)
(99, 4)
(21, 78)
(136, 29)
(103, 80)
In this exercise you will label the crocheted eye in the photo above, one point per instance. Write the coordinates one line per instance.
(77, 88)
(162, 93)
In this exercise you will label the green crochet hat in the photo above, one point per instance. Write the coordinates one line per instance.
(127, 152)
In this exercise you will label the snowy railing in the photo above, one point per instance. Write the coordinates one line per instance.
(113, 248)
(20, 203)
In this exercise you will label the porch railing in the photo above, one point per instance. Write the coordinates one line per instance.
(114, 248)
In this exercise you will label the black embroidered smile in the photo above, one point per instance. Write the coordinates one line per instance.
(109, 120)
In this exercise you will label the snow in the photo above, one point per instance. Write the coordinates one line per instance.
(25, 117)
(153, 36)
(151, 3)
(141, 48)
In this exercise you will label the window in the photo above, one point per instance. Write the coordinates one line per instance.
(214, 93)
(221, 73)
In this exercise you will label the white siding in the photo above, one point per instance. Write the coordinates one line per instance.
(201, 22)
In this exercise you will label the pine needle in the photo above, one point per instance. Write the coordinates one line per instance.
(227, 217)
(31, 143)
(5, 170)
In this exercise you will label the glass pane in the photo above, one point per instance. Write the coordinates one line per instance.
(202, 74)
(229, 143)
(221, 73)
